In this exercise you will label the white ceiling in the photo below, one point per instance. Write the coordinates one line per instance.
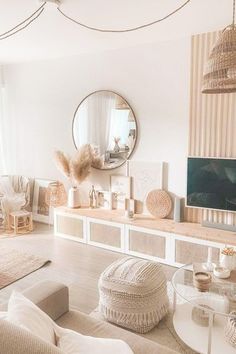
(52, 35)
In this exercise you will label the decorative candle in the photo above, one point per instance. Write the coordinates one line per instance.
(221, 272)
(209, 255)
(209, 266)
(177, 209)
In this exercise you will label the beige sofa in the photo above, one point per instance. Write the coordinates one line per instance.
(53, 298)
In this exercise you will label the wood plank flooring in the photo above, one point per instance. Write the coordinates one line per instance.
(78, 266)
(74, 264)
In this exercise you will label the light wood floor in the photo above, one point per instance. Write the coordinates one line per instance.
(74, 264)
(79, 267)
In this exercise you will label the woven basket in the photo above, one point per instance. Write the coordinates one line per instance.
(230, 330)
(220, 70)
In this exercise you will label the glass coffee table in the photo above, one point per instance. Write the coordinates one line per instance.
(200, 317)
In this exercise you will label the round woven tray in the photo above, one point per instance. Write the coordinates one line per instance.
(159, 203)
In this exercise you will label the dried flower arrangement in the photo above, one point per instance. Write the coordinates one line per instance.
(79, 166)
(228, 251)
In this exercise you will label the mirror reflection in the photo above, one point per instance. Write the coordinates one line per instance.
(105, 120)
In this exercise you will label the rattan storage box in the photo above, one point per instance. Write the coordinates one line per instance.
(133, 294)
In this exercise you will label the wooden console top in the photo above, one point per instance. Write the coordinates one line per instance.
(167, 225)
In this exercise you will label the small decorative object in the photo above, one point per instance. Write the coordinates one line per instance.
(146, 176)
(209, 266)
(227, 258)
(93, 198)
(106, 200)
(55, 194)
(40, 206)
(129, 208)
(73, 198)
(221, 272)
(220, 71)
(201, 316)
(177, 209)
(55, 197)
(120, 185)
(159, 203)
(77, 169)
(129, 214)
(21, 221)
(202, 281)
(230, 329)
(116, 146)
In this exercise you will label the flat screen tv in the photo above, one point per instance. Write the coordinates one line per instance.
(211, 183)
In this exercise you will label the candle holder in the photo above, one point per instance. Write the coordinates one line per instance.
(202, 281)
(209, 265)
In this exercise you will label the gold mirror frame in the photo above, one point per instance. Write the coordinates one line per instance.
(135, 120)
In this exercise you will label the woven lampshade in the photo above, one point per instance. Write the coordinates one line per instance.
(220, 70)
(56, 194)
(121, 103)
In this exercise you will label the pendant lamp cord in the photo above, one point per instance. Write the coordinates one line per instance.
(23, 24)
(124, 30)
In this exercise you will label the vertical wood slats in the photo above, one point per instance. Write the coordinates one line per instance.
(212, 122)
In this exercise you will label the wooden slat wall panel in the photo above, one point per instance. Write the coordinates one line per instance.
(212, 122)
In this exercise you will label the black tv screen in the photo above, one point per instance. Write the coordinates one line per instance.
(211, 183)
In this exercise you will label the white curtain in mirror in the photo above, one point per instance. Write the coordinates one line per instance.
(95, 121)
(119, 126)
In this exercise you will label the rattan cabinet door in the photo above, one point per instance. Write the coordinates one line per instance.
(70, 226)
(147, 243)
(188, 252)
(105, 234)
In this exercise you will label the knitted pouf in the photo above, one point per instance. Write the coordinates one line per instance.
(133, 294)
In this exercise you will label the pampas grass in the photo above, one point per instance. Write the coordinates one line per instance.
(79, 166)
(62, 162)
(97, 162)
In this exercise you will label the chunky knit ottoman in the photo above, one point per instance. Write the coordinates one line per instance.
(133, 294)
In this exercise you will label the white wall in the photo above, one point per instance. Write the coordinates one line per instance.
(154, 78)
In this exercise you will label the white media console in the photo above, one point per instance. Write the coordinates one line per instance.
(163, 240)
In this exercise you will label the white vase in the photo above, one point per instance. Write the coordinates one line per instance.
(227, 261)
(73, 198)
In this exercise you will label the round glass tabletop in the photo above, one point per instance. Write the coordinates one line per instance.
(219, 296)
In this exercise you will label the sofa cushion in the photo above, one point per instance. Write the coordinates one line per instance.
(22, 312)
(72, 342)
(87, 325)
(16, 340)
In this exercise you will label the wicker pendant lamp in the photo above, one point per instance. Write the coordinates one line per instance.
(220, 70)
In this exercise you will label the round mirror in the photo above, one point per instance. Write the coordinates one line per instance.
(105, 120)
